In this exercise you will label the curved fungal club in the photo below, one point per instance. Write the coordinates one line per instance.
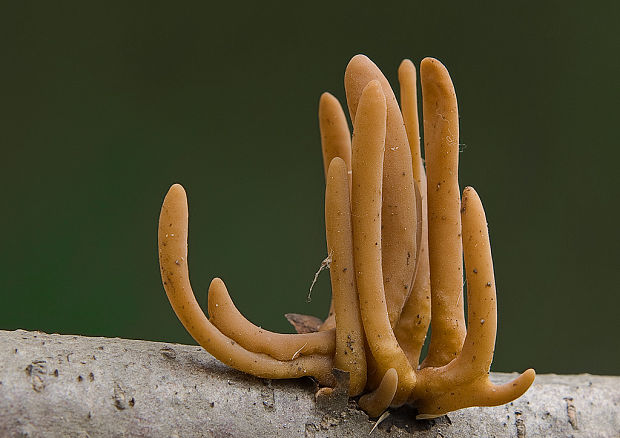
(397, 231)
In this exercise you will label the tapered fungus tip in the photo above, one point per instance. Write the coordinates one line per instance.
(431, 68)
(512, 390)
(358, 60)
(337, 165)
(373, 91)
(358, 67)
(176, 188)
(529, 375)
(469, 194)
(406, 67)
(360, 71)
(174, 210)
(377, 401)
(429, 62)
(327, 98)
(176, 191)
(523, 382)
(216, 283)
(356, 76)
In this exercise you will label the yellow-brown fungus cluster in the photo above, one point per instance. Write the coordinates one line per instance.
(397, 231)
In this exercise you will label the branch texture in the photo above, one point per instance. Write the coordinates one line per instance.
(75, 386)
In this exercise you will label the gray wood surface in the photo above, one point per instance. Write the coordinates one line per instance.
(74, 386)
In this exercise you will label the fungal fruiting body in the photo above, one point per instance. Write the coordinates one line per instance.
(397, 232)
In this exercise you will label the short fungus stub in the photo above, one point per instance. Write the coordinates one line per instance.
(397, 231)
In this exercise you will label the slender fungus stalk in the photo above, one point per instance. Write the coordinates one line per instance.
(396, 235)
(367, 163)
(465, 381)
(409, 108)
(441, 141)
(415, 318)
(225, 316)
(398, 212)
(350, 354)
(335, 142)
(335, 135)
(172, 236)
(377, 401)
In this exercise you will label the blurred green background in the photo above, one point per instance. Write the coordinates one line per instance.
(105, 104)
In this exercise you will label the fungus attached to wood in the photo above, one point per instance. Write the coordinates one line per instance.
(396, 233)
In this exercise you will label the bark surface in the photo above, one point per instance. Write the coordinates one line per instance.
(74, 386)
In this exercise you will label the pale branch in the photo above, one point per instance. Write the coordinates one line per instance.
(75, 386)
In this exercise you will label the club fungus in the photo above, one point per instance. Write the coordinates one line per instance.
(397, 232)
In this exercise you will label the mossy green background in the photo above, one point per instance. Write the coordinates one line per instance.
(103, 105)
